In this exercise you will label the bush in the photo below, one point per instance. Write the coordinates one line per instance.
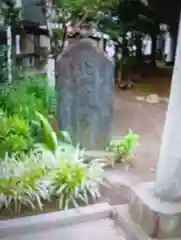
(30, 180)
(24, 98)
(20, 182)
(15, 135)
(19, 104)
(51, 139)
(73, 180)
(124, 148)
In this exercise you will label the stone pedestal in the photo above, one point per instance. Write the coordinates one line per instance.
(158, 219)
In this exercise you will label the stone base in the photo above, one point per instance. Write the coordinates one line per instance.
(158, 219)
(131, 229)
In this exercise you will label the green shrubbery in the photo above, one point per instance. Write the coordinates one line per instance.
(15, 135)
(123, 149)
(20, 128)
(38, 164)
(45, 174)
(26, 97)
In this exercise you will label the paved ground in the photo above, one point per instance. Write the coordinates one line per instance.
(145, 119)
(104, 229)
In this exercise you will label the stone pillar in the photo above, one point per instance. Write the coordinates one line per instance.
(9, 52)
(156, 206)
(51, 71)
(18, 48)
(168, 179)
(50, 64)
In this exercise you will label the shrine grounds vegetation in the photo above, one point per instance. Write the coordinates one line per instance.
(39, 165)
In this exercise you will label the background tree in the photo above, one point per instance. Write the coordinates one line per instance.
(128, 16)
(11, 17)
(168, 12)
(72, 15)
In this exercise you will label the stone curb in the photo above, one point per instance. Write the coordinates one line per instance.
(54, 220)
(122, 219)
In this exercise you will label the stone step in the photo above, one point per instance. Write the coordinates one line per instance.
(131, 229)
(103, 229)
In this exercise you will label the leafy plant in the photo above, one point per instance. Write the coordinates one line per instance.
(30, 95)
(52, 140)
(73, 180)
(123, 149)
(15, 136)
(21, 182)
(39, 88)
(31, 179)
(19, 102)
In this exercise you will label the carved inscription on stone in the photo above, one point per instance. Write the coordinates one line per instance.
(86, 86)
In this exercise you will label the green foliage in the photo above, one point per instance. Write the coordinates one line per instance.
(49, 136)
(73, 180)
(30, 180)
(51, 139)
(15, 135)
(19, 104)
(123, 149)
(26, 97)
(76, 12)
(3, 63)
(128, 63)
(127, 16)
(11, 15)
(20, 182)
(81, 8)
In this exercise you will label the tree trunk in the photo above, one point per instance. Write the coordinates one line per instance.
(171, 44)
(47, 7)
(64, 37)
(104, 44)
(138, 47)
(174, 36)
(168, 177)
(125, 54)
(117, 65)
(153, 49)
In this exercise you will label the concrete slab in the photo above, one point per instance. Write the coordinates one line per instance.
(103, 229)
(54, 220)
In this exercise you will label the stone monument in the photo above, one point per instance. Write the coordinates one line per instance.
(85, 84)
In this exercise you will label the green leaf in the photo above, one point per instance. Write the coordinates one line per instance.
(50, 138)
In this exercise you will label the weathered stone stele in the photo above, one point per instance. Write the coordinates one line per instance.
(85, 84)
